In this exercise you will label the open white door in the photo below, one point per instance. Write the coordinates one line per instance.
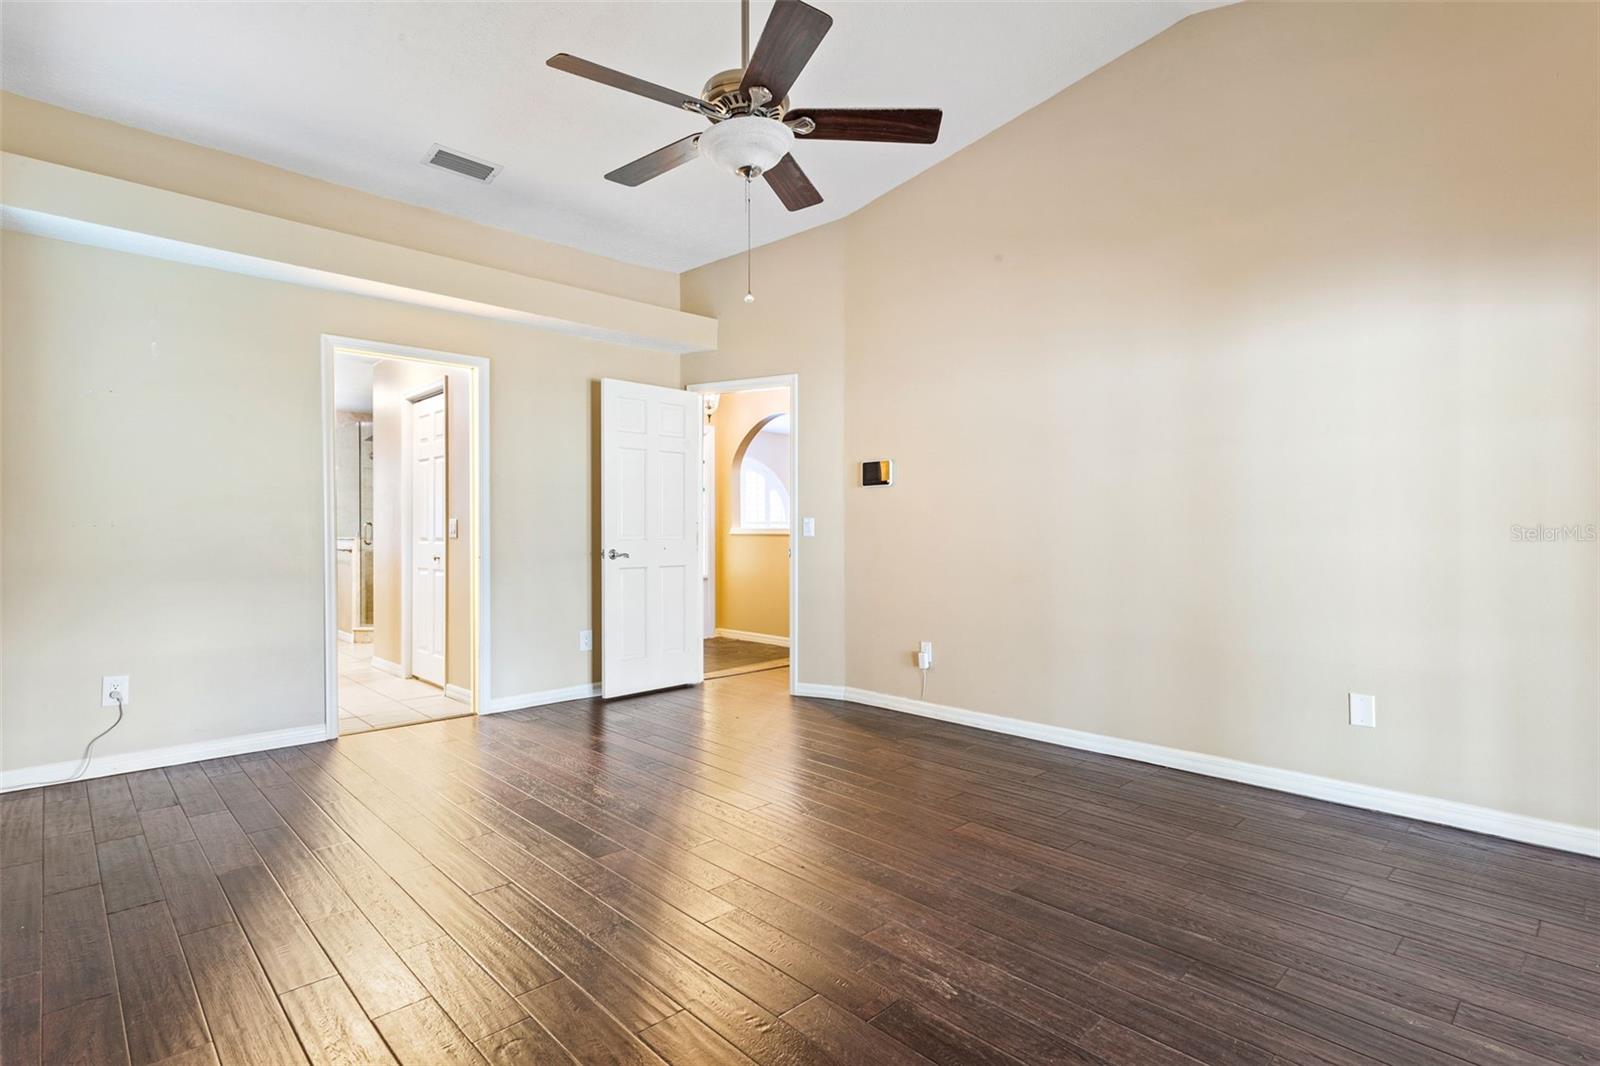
(650, 596)
(427, 538)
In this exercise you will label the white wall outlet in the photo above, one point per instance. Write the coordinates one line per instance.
(586, 640)
(925, 655)
(808, 527)
(112, 687)
(1363, 710)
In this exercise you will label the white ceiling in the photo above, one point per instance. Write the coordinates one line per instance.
(356, 93)
(352, 382)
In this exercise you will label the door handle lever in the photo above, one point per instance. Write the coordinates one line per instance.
(614, 554)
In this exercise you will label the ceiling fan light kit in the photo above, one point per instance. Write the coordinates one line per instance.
(747, 145)
(752, 126)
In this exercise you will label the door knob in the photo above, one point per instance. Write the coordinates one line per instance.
(614, 554)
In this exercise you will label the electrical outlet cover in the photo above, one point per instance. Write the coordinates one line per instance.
(586, 640)
(1363, 710)
(118, 683)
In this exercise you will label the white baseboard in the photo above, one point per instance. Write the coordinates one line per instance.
(819, 692)
(388, 667)
(539, 699)
(458, 693)
(345, 638)
(1559, 835)
(128, 762)
(755, 638)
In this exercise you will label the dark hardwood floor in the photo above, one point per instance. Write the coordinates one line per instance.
(727, 875)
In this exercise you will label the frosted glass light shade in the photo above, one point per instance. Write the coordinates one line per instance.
(746, 141)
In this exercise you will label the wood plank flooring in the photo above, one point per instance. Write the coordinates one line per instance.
(725, 657)
(728, 875)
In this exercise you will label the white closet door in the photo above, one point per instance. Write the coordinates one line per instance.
(428, 510)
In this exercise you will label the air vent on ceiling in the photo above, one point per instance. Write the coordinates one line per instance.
(456, 163)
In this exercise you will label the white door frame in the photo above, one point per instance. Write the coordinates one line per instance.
(407, 506)
(708, 588)
(478, 535)
(796, 496)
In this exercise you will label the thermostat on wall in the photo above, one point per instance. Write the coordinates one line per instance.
(877, 472)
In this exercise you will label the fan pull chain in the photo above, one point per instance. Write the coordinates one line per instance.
(749, 294)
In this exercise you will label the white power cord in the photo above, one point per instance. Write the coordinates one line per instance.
(88, 749)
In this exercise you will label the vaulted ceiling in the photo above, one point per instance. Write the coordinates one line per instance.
(357, 93)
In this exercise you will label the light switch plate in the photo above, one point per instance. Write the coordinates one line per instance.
(1363, 710)
(808, 527)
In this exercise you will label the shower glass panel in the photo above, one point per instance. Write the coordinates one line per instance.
(353, 521)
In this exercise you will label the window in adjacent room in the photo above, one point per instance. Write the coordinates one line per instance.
(762, 475)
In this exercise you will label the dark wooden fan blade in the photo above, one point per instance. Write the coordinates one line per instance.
(792, 185)
(904, 125)
(657, 162)
(618, 80)
(792, 33)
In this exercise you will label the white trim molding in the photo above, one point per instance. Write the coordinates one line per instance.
(392, 669)
(1542, 832)
(459, 693)
(754, 638)
(150, 759)
(540, 699)
(819, 692)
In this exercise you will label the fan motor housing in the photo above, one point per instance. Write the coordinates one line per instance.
(723, 90)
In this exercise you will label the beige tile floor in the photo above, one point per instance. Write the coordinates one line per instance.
(372, 699)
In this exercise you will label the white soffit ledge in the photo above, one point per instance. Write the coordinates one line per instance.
(61, 202)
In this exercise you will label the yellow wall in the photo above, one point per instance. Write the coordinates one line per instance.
(1215, 385)
(392, 382)
(752, 569)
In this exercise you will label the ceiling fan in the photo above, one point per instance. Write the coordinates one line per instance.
(752, 125)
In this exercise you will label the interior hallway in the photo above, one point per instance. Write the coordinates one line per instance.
(372, 699)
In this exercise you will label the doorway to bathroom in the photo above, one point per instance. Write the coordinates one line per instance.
(406, 486)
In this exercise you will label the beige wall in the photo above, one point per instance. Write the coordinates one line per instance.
(162, 434)
(1215, 386)
(35, 129)
(392, 382)
(796, 325)
(752, 569)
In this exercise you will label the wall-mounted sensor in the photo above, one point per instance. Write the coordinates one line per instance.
(877, 472)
